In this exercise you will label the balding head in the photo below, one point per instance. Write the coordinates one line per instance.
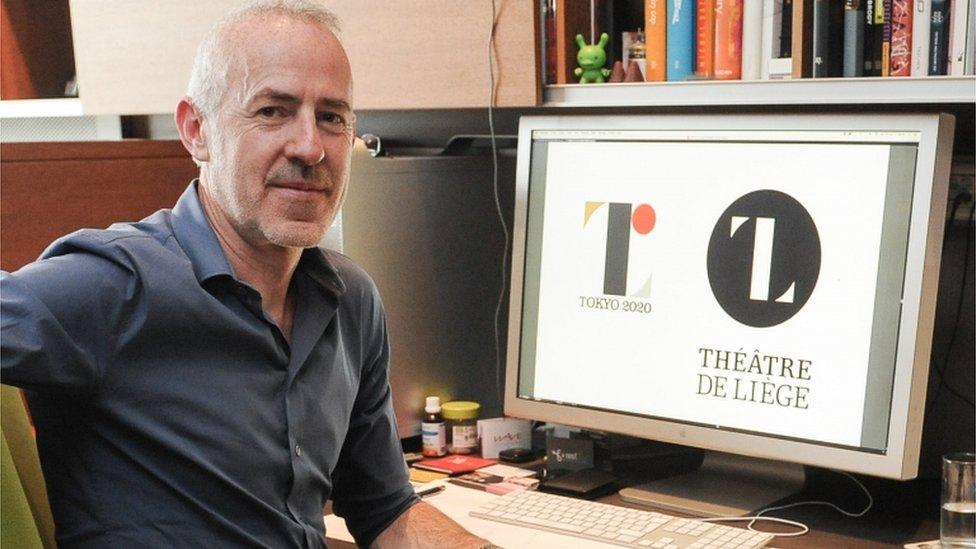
(212, 64)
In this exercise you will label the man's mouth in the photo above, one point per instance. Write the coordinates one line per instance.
(300, 185)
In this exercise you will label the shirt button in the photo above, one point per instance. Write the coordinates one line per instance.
(298, 449)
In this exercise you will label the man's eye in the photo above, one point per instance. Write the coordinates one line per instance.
(332, 120)
(269, 112)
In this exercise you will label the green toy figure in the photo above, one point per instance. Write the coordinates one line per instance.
(591, 59)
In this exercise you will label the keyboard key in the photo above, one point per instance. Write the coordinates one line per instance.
(551, 524)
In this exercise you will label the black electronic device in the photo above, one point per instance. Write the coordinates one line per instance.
(584, 483)
(517, 455)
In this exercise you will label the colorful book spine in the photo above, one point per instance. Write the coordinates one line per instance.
(681, 39)
(853, 38)
(728, 39)
(901, 37)
(886, 38)
(705, 38)
(921, 22)
(938, 34)
(655, 41)
(752, 22)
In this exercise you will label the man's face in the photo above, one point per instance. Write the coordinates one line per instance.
(281, 139)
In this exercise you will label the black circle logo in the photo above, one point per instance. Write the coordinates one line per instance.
(764, 258)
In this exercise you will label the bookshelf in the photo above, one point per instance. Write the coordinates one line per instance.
(931, 90)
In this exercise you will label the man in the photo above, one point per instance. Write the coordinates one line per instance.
(207, 377)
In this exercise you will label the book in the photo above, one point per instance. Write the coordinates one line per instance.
(938, 37)
(886, 38)
(958, 22)
(495, 484)
(728, 39)
(454, 465)
(680, 39)
(752, 16)
(572, 17)
(705, 38)
(420, 476)
(786, 30)
(496, 474)
(873, 20)
(655, 41)
(774, 66)
(969, 67)
(827, 45)
(802, 36)
(921, 22)
(549, 30)
(901, 37)
(476, 479)
(853, 38)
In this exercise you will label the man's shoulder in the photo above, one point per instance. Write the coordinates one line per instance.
(121, 242)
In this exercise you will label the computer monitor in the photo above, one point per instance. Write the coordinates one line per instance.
(758, 285)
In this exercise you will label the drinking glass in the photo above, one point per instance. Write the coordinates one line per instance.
(958, 525)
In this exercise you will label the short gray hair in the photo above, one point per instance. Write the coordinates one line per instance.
(210, 66)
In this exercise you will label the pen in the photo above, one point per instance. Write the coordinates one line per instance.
(430, 491)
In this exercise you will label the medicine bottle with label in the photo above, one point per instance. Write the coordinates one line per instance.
(462, 426)
(433, 432)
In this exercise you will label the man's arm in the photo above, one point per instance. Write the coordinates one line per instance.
(422, 525)
(60, 317)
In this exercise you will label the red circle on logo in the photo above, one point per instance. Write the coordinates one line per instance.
(644, 219)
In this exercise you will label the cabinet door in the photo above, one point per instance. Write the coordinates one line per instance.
(135, 57)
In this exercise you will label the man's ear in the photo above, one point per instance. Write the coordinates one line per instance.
(189, 122)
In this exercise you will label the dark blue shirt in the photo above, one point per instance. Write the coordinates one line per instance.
(171, 411)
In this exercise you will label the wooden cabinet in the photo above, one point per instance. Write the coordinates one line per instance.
(52, 189)
(36, 60)
(135, 57)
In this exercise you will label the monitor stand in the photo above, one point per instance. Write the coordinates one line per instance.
(724, 485)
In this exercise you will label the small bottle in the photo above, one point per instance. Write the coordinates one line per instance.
(638, 52)
(433, 432)
(462, 423)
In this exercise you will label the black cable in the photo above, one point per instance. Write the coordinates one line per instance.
(965, 272)
(940, 369)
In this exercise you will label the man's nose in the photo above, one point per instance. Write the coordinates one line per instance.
(306, 144)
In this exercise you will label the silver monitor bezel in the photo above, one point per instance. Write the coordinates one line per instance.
(900, 460)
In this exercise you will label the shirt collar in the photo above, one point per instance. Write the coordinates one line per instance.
(196, 237)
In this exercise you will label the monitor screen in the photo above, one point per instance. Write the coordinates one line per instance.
(756, 284)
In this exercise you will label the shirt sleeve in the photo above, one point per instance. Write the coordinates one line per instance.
(371, 486)
(56, 318)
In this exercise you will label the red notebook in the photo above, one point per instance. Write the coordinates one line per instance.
(454, 465)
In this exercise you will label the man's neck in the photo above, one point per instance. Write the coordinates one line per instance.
(266, 267)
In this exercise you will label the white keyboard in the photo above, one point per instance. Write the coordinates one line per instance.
(613, 524)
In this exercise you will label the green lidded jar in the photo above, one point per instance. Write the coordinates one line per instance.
(461, 417)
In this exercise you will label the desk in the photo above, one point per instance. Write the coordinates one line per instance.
(457, 501)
